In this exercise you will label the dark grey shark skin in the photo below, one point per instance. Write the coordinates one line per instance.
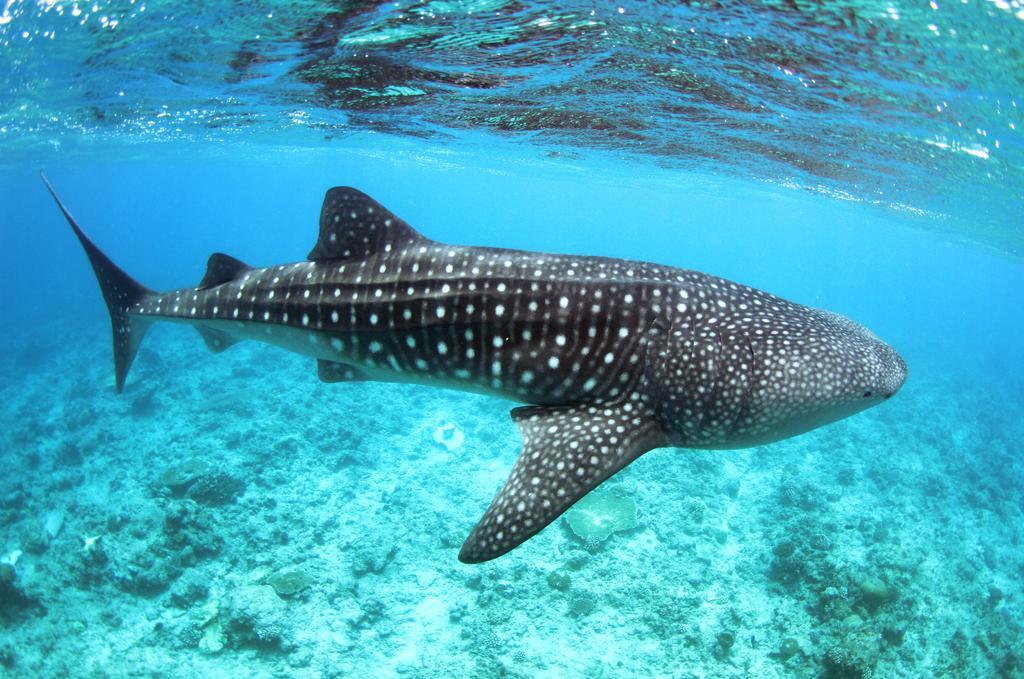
(615, 357)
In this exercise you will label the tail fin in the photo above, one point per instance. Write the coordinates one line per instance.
(121, 293)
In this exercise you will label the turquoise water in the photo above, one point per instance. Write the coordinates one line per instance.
(864, 158)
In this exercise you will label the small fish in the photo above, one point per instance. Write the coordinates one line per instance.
(615, 357)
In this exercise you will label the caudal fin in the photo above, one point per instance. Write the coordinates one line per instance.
(121, 293)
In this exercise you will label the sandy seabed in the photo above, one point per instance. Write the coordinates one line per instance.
(229, 515)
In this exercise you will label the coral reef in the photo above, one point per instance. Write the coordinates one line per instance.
(601, 513)
(256, 616)
(289, 582)
(319, 540)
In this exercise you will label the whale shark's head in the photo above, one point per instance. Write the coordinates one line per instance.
(811, 373)
(767, 377)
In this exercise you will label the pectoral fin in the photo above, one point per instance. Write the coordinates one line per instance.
(567, 451)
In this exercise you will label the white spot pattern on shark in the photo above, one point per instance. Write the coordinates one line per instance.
(615, 357)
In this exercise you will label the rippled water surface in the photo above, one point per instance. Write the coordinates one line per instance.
(915, 106)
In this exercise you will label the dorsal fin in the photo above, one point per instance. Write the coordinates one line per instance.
(354, 226)
(221, 268)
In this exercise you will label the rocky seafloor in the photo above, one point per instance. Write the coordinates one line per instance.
(231, 516)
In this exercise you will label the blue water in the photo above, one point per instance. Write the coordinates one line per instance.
(889, 542)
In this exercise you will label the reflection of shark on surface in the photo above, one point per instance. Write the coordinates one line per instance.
(615, 357)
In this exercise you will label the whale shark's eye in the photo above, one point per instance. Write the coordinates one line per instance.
(867, 394)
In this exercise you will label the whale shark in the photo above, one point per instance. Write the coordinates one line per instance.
(612, 358)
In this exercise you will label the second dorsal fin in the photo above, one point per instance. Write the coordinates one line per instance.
(354, 226)
(221, 268)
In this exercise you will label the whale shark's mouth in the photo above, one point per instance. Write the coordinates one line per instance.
(895, 373)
